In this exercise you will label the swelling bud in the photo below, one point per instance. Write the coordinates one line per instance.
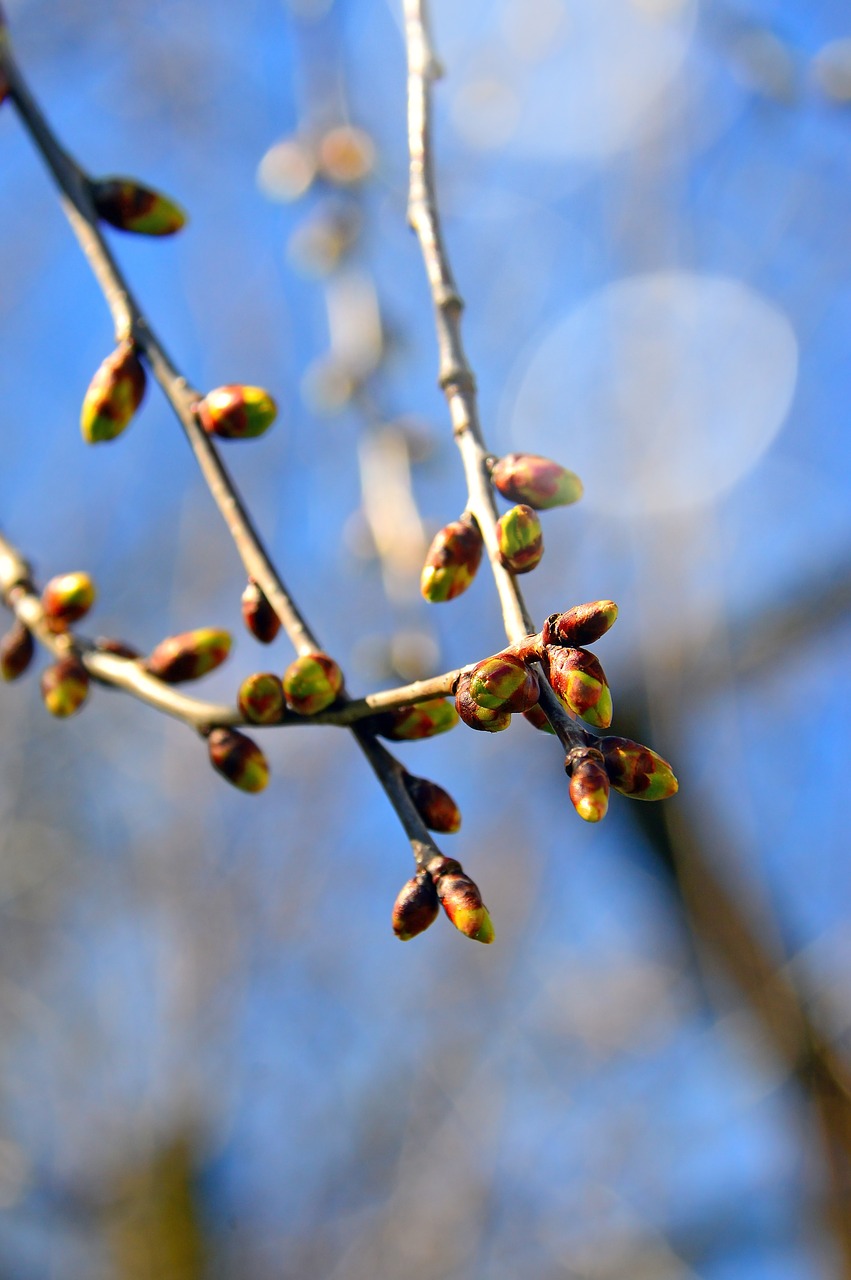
(130, 206)
(452, 560)
(416, 907)
(65, 686)
(434, 805)
(238, 759)
(581, 684)
(114, 395)
(421, 720)
(503, 683)
(66, 599)
(16, 652)
(311, 683)
(189, 655)
(476, 716)
(589, 783)
(258, 615)
(236, 412)
(461, 900)
(261, 698)
(637, 771)
(519, 540)
(581, 625)
(535, 481)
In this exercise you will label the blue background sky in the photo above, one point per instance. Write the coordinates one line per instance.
(647, 208)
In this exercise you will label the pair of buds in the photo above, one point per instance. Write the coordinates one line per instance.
(441, 884)
(629, 767)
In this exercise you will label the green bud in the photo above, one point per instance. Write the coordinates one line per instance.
(236, 412)
(311, 683)
(475, 716)
(65, 686)
(16, 651)
(434, 805)
(415, 908)
(637, 771)
(504, 683)
(519, 539)
(452, 560)
(189, 655)
(114, 395)
(238, 759)
(129, 206)
(589, 783)
(261, 698)
(581, 625)
(535, 715)
(66, 599)
(421, 720)
(535, 481)
(461, 900)
(581, 684)
(258, 615)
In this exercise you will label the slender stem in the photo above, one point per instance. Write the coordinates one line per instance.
(455, 374)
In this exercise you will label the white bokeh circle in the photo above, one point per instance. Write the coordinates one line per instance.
(661, 390)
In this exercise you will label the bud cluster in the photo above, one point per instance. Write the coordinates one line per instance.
(441, 884)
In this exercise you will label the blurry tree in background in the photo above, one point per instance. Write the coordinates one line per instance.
(215, 1059)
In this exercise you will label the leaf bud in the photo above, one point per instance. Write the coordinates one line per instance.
(535, 481)
(504, 683)
(636, 771)
(16, 651)
(258, 615)
(452, 560)
(461, 900)
(238, 759)
(114, 395)
(580, 682)
(67, 598)
(420, 720)
(581, 625)
(65, 686)
(236, 412)
(519, 539)
(475, 716)
(434, 805)
(589, 783)
(311, 683)
(130, 206)
(415, 908)
(535, 715)
(261, 698)
(189, 655)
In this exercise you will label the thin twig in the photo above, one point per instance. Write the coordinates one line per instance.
(455, 374)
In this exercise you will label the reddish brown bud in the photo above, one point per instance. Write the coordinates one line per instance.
(107, 644)
(581, 625)
(520, 541)
(238, 759)
(535, 715)
(461, 900)
(65, 686)
(589, 783)
(580, 682)
(421, 720)
(16, 651)
(637, 771)
(236, 412)
(66, 599)
(258, 615)
(311, 683)
(452, 560)
(114, 395)
(434, 805)
(415, 908)
(504, 683)
(261, 698)
(535, 481)
(129, 206)
(476, 716)
(189, 655)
